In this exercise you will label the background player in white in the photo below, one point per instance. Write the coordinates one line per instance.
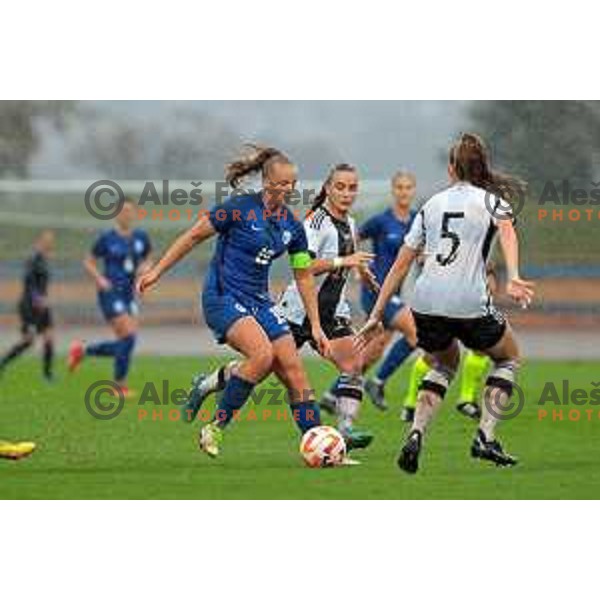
(451, 301)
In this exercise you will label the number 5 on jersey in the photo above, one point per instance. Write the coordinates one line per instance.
(448, 233)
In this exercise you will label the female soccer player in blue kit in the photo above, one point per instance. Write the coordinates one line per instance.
(125, 252)
(253, 229)
(386, 232)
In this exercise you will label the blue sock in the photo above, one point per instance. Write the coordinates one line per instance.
(234, 396)
(102, 348)
(306, 415)
(394, 357)
(122, 357)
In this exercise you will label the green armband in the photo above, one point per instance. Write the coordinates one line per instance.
(300, 260)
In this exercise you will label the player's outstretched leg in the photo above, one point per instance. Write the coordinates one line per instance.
(402, 322)
(48, 355)
(248, 337)
(348, 393)
(16, 350)
(474, 368)
(432, 391)
(498, 390)
(392, 361)
(419, 369)
(202, 387)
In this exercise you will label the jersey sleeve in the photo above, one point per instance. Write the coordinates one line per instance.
(369, 229)
(224, 216)
(322, 239)
(147, 245)
(415, 238)
(501, 210)
(99, 247)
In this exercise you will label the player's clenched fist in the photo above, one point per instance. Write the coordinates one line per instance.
(147, 280)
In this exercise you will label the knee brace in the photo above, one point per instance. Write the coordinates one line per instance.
(503, 376)
(349, 386)
(438, 380)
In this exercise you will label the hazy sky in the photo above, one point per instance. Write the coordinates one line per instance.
(379, 137)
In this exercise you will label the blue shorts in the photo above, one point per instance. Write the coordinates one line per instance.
(114, 303)
(392, 308)
(221, 311)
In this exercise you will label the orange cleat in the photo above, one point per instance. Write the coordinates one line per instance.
(76, 354)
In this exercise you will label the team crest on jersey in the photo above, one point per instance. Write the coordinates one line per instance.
(286, 238)
(264, 256)
(138, 246)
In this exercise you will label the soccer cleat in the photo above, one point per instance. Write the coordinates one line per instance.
(76, 354)
(492, 451)
(470, 410)
(408, 414)
(329, 403)
(196, 397)
(409, 455)
(16, 450)
(127, 392)
(210, 439)
(349, 462)
(375, 391)
(355, 439)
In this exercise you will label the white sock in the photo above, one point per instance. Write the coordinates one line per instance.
(347, 409)
(427, 405)
(215, 382)
(493, 404)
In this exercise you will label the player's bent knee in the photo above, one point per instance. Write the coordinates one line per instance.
(503, 375)
(262, 360)
(438, 380)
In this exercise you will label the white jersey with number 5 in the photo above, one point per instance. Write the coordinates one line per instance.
(454, 230)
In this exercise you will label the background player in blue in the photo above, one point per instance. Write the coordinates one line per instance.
(386, 232)
(124, 252)
(253, 229)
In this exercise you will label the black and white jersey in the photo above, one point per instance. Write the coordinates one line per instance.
(35, 279)
(328, 238)
(454, 230)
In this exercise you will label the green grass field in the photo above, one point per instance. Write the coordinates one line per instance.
(79, 457)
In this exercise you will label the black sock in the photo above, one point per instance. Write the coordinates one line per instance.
(48, 359)
(15, 351)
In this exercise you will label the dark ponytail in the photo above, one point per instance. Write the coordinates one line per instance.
(322, 195)
(470, 160)
(257, 159)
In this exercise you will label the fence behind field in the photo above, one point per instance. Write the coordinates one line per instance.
(561, 254)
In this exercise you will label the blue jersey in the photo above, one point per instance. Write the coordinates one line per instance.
(386, 232)
(249, 241)
(122, 256)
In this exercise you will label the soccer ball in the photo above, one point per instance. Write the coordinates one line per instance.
(323, 446)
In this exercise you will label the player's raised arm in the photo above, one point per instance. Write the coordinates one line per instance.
(392, 282)
(183, 245)
(518, 289)
(306, 288)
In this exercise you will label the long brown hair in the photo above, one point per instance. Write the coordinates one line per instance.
(256, 159)
(322, 195)
(470, 159)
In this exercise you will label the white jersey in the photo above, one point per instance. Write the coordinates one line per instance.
(454, 230)
(328, 238)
